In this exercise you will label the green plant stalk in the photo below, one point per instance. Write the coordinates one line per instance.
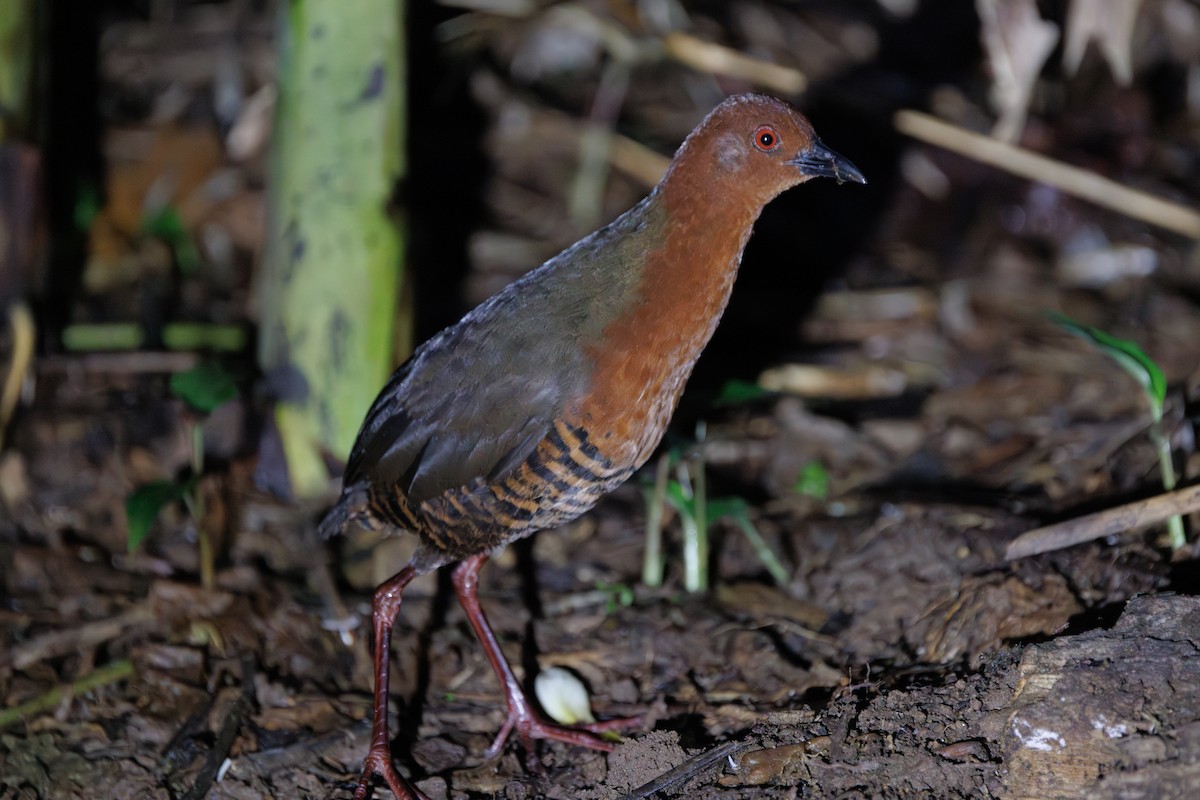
(1150, 377)
(337, 156)
(762, 550)
(694, 554)
(109, 673)
(19, 40)
(700, 497)
(695, 537)
(195, 503)
(656, 501)
(1175, 532)
(89, 337)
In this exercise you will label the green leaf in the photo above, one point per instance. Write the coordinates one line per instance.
(813, 481)
(87, 205)
(167, 225)
(737, 392)
(1128, 355)
(205, 387)
(143, 506)
(727, 507)
(679, 500)
(620, 595)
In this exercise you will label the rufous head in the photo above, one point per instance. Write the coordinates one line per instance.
(757, 146)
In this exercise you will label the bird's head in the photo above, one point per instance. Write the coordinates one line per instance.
(757, 146)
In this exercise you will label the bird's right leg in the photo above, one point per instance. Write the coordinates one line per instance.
(385, 608)
(523, 718)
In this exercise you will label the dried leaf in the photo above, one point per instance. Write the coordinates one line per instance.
(1110, 24)
(1018, 42)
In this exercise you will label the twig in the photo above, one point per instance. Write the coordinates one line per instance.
(60, 643)
(587, 189)
(720, 60)
(24, 335)
(637, 161)
(691, 767)
(1072, 180)
(230, 725)
(134, 362)
(109, 673)
(306, 751)
(869, 381)
(1121, 519)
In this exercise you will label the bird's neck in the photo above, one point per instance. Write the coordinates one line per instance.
(690, 253)
(690, 277)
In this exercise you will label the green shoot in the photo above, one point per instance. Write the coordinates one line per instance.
(656, 499)
(687, 494)
(695, 542)
(737, 511)
(204, 388)
(1150, 377)
(166, 225)
(737, 392)
(87, 205)
(813, 481)
(620, 595)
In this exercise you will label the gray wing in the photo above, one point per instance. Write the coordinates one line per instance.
(473, 402)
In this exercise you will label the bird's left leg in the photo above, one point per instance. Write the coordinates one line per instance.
(523, 718)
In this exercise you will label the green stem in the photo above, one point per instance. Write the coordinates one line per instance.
(694, 579)
(695, 540)
(762, 550)
(195, 503)
(700, 502)
(109, 673)
(652, 559)
(1166, 465)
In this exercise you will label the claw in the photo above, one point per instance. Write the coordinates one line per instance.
(523, 718)
(379, 762)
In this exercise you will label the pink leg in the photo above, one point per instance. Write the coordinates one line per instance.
(522, 717)
(385, 609)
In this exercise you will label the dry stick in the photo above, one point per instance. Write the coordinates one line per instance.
(691, 767)
(60, 643)
(1072, 180)
(109, 673)
(705, 56)
(23, 337)
(135, 362)
(637, 161)
(307, 752)
(1121, 519)
(230, 725)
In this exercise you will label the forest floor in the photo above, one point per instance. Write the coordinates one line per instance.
(903, 656)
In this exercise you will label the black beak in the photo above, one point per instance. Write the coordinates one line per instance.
(819, 161)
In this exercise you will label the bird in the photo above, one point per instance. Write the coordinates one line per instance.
(552, 392)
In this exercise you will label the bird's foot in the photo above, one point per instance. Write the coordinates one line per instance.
(530, 727)
(379, 762)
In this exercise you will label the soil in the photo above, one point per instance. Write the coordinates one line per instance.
(900, 655)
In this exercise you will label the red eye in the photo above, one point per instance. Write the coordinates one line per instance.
(765, 138)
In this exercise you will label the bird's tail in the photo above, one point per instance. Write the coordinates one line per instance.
(352, 505)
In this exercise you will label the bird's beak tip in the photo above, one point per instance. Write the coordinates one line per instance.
(819, 161)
